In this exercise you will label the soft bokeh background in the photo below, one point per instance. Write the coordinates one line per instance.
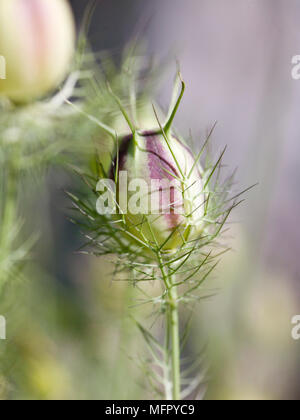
(71, 334)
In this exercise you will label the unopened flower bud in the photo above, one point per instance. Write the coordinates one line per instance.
(165, 197)
(37, 42)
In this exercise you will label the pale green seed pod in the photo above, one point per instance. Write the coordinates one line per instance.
(37, 39)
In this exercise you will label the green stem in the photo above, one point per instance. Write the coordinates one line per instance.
(167, 384)
(10, 203)
(172, 332)
(8, 216)
(175, 342)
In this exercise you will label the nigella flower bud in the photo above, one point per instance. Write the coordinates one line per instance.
(37, 43)
(164, 201)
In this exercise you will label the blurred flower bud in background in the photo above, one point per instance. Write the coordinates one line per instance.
(37, 39)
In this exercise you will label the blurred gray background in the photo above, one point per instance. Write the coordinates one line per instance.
(235, 56)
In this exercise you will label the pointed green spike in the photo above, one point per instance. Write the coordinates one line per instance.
(95, 120)
(173, 113)
(122, 109)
